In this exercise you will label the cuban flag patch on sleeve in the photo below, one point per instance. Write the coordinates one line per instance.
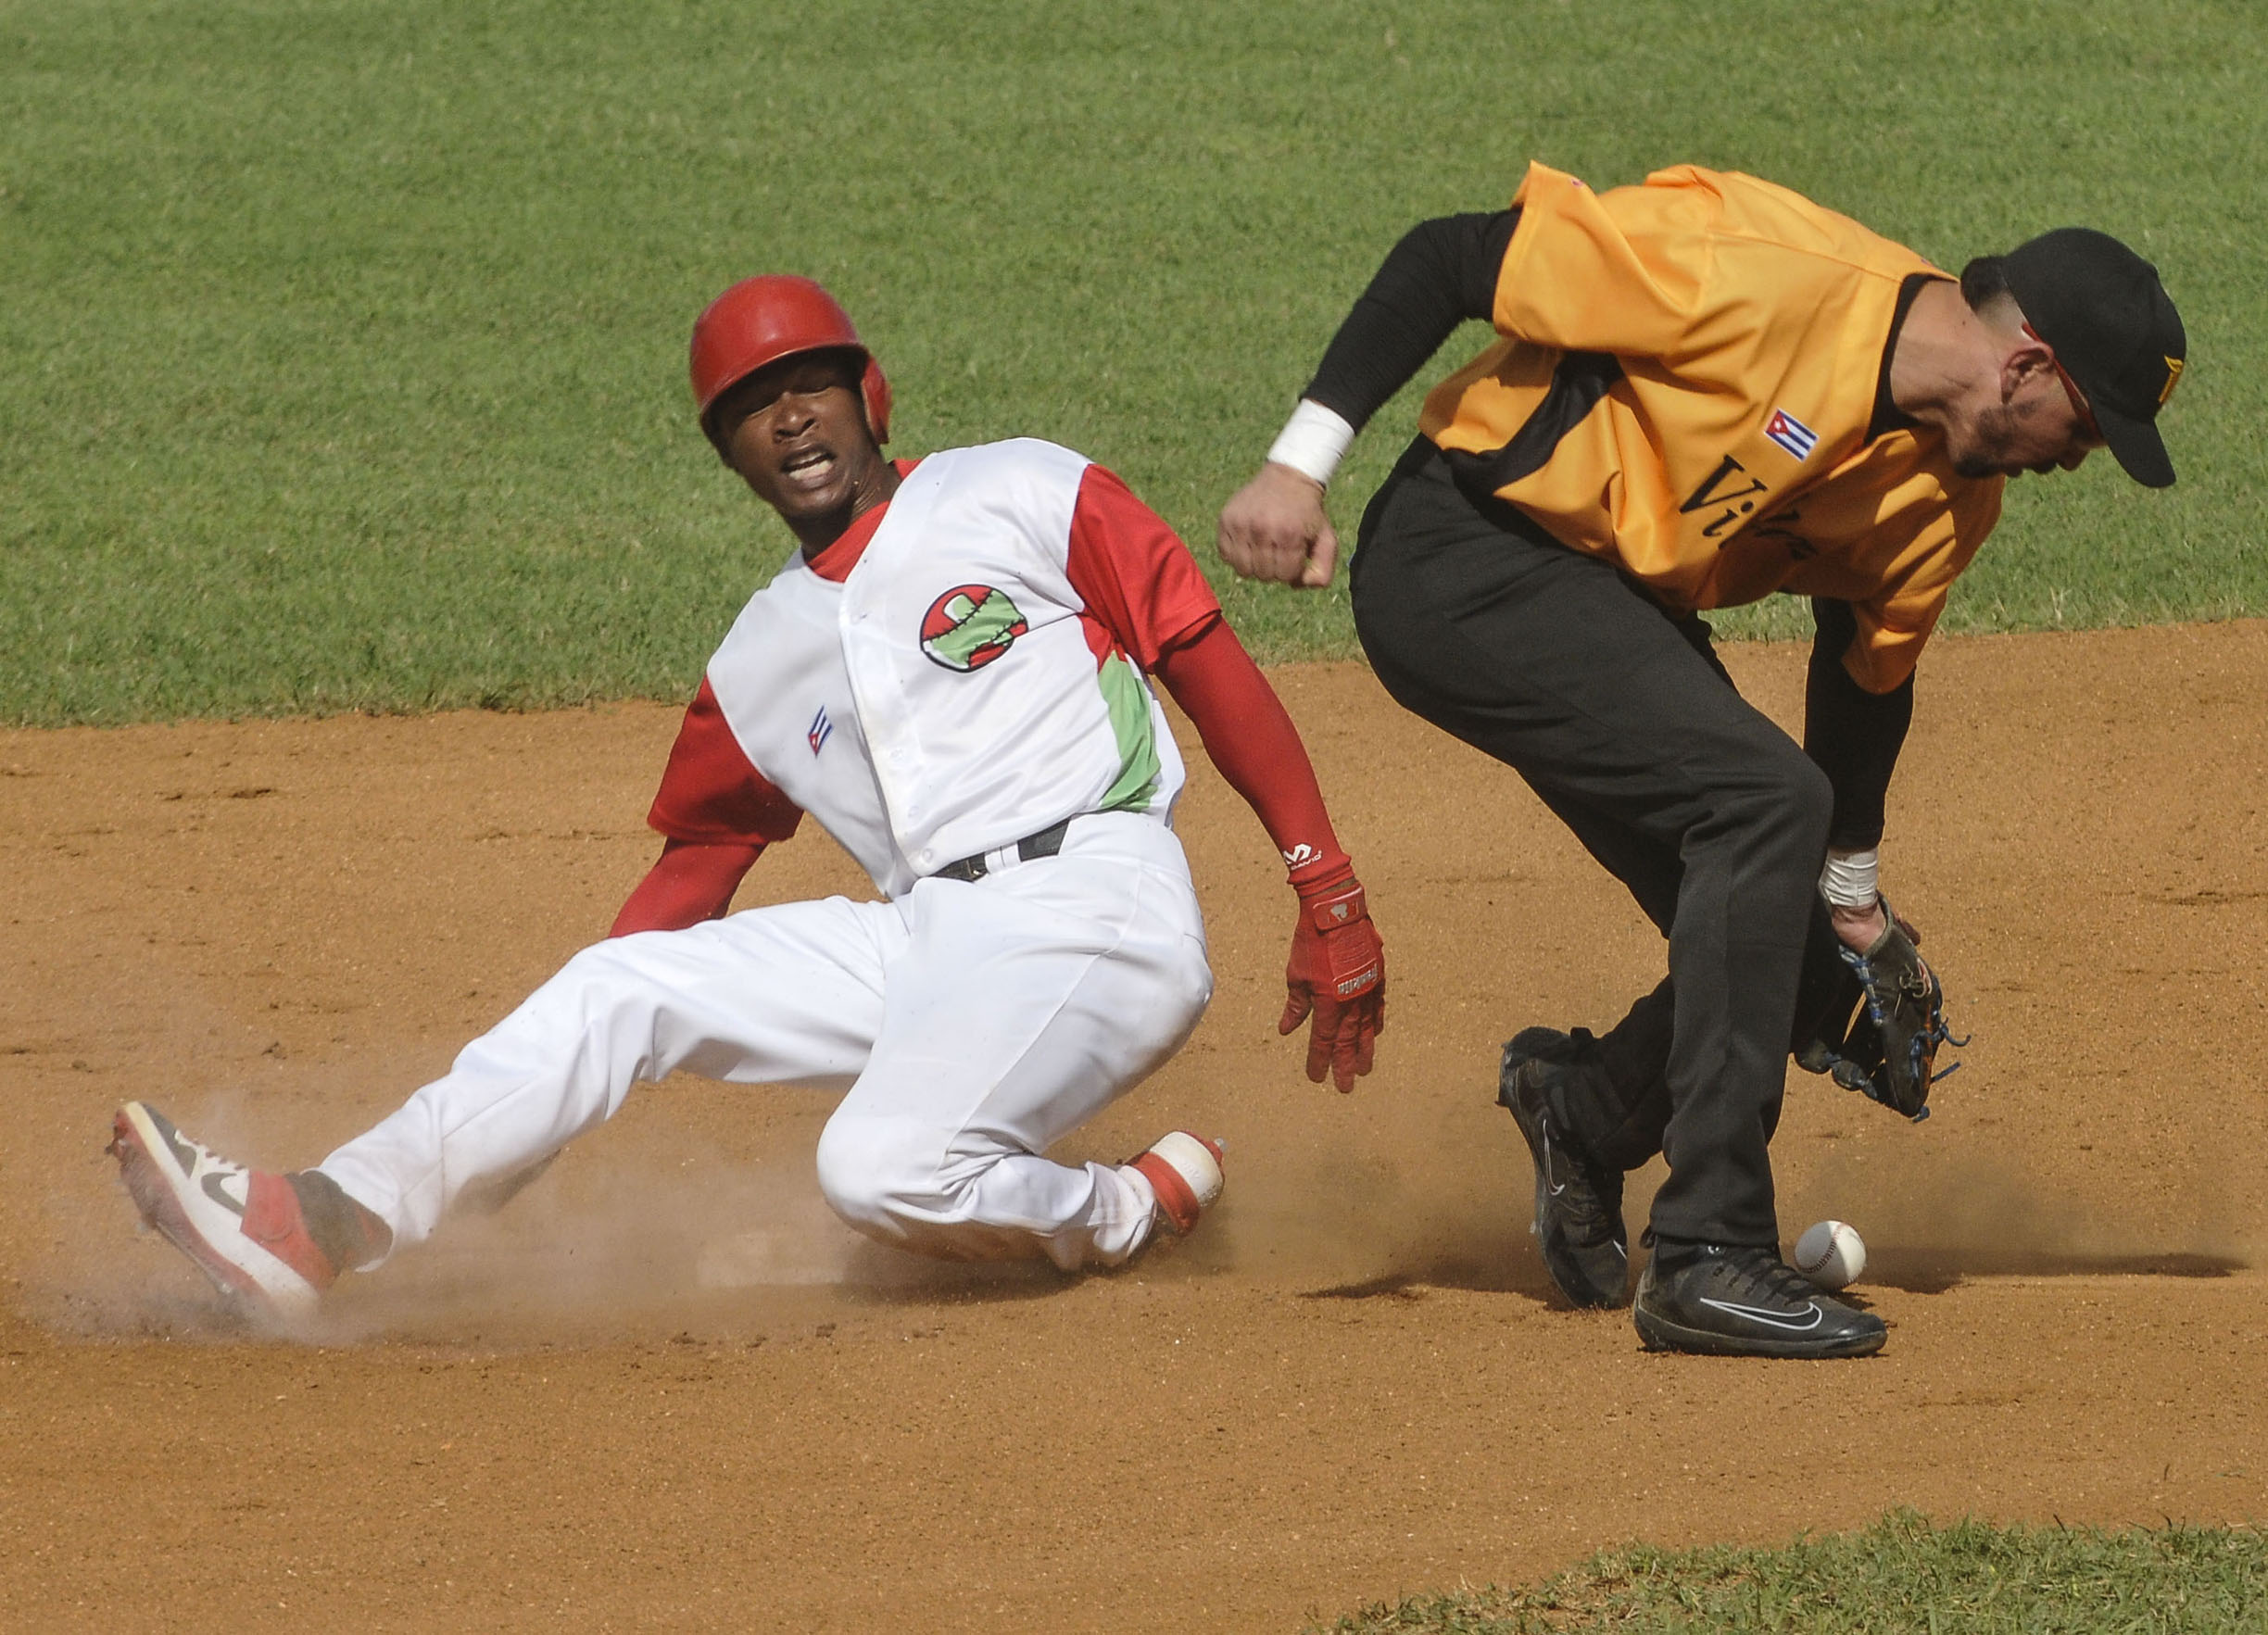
(1791, 433)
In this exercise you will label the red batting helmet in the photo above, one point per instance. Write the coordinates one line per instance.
(761, 321)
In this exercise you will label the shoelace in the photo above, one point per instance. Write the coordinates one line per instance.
(1760, 1272)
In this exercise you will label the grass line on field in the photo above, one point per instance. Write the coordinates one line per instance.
(1902, 1575)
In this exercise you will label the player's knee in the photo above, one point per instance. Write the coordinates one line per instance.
(1809, 803)
(1813, 798)
(882, 1175)
(852, 1187)
(1192, 991)
(1789, 804)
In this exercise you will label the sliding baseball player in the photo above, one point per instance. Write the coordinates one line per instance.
(953, 676)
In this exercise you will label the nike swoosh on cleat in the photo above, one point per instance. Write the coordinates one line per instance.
(212, 1190)
(1771, 1319)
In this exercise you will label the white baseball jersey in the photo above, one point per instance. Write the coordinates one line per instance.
(973, 672)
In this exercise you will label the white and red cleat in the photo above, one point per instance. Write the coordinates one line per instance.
(243, 1227)
(1185, 1172)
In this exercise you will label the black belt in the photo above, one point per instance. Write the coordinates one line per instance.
(1046, 843)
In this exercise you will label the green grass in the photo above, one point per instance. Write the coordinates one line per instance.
(1899, 1576)
(343, 343)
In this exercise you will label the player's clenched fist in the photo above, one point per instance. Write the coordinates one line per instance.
(1338, 972)
(1275, 528)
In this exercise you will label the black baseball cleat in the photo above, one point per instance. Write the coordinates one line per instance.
(1738, 1300)
(1578, 1201)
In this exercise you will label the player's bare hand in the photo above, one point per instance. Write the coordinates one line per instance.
(1337, 974)
(1275, 528)
(1861, 929)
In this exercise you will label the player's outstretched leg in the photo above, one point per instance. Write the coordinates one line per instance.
(771, 996)
(779, 995)
(271, 1242)
(1578, 1219)
(1742, 1300)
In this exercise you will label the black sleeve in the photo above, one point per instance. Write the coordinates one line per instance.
(1853, 735)
(1443, 272)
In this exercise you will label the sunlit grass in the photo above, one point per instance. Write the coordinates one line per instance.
(344, 343)
(1900, 1577)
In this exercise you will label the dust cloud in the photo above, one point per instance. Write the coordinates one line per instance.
(639, 1232)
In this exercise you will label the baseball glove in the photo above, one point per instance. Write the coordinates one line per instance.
(1873, 1021)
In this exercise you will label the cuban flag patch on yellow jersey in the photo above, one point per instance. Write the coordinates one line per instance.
(1791, 433)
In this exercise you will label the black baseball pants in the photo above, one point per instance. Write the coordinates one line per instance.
(1621, 717)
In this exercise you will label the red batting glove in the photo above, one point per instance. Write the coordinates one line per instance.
(1338, 972)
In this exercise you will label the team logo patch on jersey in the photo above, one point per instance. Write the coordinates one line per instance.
(969, 626)
(1791, 433)
(820, 731)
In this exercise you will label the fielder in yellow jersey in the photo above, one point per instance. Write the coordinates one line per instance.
(1732, 331)
(1704, 389)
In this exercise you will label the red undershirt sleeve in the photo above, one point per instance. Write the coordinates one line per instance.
(690, 882)
(711, 791)
(1249, 736)
(1140, 582)
(717, 813)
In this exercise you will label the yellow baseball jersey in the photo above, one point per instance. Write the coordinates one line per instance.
(1685, 387)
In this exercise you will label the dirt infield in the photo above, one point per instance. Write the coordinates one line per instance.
(664, 1389)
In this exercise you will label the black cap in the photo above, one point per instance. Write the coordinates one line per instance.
(2103, 309)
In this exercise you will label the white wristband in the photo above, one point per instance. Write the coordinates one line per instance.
(1849, 880)
(1313, 442)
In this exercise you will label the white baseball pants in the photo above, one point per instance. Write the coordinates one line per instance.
(972, 1024)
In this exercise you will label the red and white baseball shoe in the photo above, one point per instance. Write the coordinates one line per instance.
(1184, 1170)
(247, 1229)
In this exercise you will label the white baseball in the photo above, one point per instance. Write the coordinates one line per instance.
(1832, 1255)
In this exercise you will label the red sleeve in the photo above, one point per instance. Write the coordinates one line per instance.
(1138, 580)
(711, 793)
(690, 882)
(1250, 738)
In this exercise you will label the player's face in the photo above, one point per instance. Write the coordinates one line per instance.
(2040, 424)
(796, 432)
